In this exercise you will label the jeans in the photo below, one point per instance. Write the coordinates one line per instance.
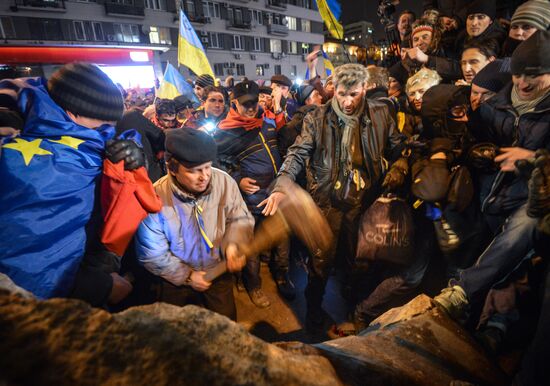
(507, 250)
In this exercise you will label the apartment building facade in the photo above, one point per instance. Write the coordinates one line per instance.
(252, 38)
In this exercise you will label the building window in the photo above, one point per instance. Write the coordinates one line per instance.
(157, 5)
(98, 31)
(293, 70)
(238, 42)
(124, 2)
(79, 30)
(128, 33)
(305, 48)
(240, 69)
(257, 44)
(211, 9)
(260, 69)
(218, 69)
(277, 69)
(306, 25)
(160, 35)
(190, 6)
(257, 17)
(277, 19)
(45, 29)
(215, 40)
(275, 45)
(7, 31)
(292, 47)
(291, 23)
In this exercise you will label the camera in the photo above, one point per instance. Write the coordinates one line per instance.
(386, 9)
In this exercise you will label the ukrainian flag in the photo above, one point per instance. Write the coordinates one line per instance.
(330, 11)
(173, 84)
(329, 68)
(190, 50)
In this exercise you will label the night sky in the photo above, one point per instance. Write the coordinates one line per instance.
(357, 10)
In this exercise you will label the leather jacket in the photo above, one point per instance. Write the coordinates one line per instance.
(318, 147)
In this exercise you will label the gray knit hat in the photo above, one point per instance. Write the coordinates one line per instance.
(535, 13)
(85, 90)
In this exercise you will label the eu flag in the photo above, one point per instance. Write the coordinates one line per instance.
(48, 177)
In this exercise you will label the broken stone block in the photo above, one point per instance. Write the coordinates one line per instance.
(66, 342)
(416, 344)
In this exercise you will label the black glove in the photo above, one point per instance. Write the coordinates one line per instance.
(481, 156)
(129, 151)
(539, 186)
(396, 175)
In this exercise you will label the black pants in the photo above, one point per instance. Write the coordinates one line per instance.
(344, 226)
(251, 272)
(218, 298)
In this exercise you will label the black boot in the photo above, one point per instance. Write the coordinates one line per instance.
(285, 286)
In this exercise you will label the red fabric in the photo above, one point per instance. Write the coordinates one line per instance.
(279, 119)
(235, 120)
(126, 199)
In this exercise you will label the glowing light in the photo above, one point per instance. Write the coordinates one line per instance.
(139, 56)
(131, 76)
(298, 81)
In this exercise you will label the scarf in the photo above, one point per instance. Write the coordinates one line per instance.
(351, 123)
(235, 120)
(523, 107)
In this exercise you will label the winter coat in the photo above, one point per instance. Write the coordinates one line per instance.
(289, 132)
(530, 131)
(494, 36)
(171, 240)
(152, 140)
(318, 146)
(252, 154)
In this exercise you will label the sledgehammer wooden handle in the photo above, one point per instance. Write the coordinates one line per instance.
(271, 232)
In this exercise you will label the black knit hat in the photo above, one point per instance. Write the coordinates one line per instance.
(399, 73)
(532, 57)
(486, 7)
(85, 90)
(281, 79)
(190, 147)
(492, 77)
(204, 80)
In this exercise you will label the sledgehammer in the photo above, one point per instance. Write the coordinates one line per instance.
(297, 215)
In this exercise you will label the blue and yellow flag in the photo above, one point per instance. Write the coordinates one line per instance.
(330, 11)
(329, 67)
(49, 176)
(174, 84)
(190, 50)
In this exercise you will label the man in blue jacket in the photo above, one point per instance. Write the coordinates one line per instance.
(202, 222)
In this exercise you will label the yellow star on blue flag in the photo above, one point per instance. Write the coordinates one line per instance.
(28, 149)
(68, 141)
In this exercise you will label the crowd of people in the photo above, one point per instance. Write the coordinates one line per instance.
(457, 131)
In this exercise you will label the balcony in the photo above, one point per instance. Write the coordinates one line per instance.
(279, 5)
(277, 29)
(42, 5)
(238, 24)
(123, 10)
